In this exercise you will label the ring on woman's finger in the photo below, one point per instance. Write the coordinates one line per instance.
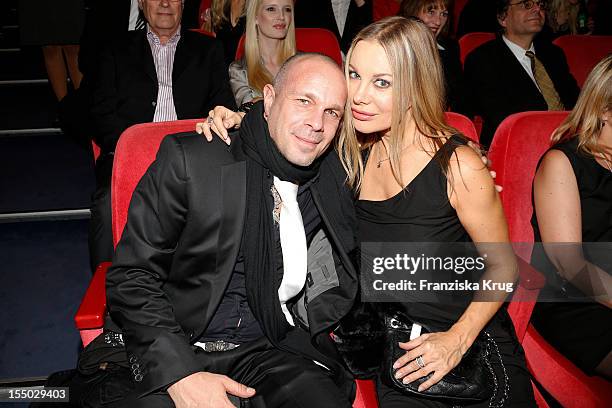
(420, 361)
(209, 120)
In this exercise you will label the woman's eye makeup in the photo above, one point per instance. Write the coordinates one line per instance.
(382, 83)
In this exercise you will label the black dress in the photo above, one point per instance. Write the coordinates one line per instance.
(422, 213)
(230, 37)
(51, 22)
(582, 332)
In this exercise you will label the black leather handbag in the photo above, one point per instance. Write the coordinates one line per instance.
(472, 380)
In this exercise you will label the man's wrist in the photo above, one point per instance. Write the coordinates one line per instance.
(246, 107)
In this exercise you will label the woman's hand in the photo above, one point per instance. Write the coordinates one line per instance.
(436, 353)
(219, 120)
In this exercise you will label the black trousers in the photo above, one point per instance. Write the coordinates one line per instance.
(520, 394)
(281, 379)
(100, 224)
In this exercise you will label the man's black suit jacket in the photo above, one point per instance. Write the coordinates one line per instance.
(126, 86)
(320, 14)
(500, 86)
(179, 247)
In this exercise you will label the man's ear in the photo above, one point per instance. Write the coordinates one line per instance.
(269, 95)
(501, 19)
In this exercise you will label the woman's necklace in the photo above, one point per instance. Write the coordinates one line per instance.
(604, 158)
(379, 162)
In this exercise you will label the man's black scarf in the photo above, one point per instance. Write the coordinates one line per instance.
(264, 161)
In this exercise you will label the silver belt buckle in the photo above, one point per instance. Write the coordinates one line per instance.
(218, 345)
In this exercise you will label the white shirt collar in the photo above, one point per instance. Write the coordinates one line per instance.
(517, 50)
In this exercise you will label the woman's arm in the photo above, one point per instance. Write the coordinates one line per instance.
(219, 120)
(472, 193)
(559, 214)
(239, 82)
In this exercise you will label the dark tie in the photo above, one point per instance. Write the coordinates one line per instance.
(545, 83)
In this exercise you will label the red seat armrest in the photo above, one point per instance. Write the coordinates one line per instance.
(93, 307)
(529, 277)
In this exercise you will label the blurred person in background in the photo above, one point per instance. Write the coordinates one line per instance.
(344, 18)
(572, 196)
(228, 22)
(435, 15)
(57, 27)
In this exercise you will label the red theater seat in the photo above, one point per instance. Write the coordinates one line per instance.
(583, 52)
(457, 9)
(519, 142)
(135, 151)
(471, 41)
(309, 40)
(462, 124)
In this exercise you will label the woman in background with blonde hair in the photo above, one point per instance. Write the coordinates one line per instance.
(269, 41)
(228, 21)
(572, 194)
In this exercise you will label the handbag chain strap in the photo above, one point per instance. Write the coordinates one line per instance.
(502, 400)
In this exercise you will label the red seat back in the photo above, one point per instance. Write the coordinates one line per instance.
(309, 40)
(517, 146)
(462, 124)
(384, 8)
(456, 13)
(136, 150)
(470, 41)
(583, 52)
(95, 149)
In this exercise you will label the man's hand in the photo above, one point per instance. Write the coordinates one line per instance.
(486, 162)
(207, 390)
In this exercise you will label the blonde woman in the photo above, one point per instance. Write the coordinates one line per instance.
(415, 180)
(269, 41)
(572, 194)
(228, 22)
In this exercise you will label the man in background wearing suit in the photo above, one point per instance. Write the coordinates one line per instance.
(160, 73)
(513, 73)
(344, 18)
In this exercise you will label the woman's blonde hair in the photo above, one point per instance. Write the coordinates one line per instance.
(584, 122)
(220, 13)
(257, 73)
(557, 7)
(417, 86)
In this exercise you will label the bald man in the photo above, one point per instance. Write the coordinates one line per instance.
(232, 269)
